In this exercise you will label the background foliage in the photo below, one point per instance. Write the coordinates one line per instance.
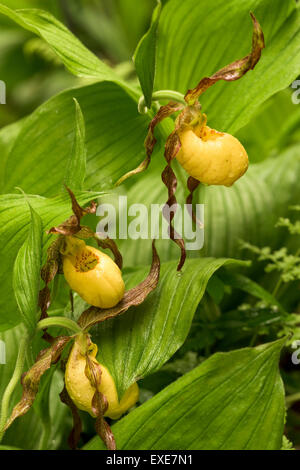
(205, 345)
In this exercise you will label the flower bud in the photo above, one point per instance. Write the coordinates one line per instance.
(81, 391)
(92, 274)
(212, 157)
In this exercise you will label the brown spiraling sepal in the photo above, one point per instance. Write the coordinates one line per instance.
(236, 69)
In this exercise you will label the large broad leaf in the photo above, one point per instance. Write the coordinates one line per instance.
(8, 136)
(233, 401)
(141, 341)
(247, 211)
(272, 128)
(15, 219)
(26, 273)
(111, 25)
(145, 57)
(186, 52)
(76, 57)
(53, 6)
(76, 168)
(196, 38)
(39, 156)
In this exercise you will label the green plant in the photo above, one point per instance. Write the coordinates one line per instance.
(204, 343)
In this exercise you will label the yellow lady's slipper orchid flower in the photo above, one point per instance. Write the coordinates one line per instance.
(81, 391)
(92, 274)
(212, 157)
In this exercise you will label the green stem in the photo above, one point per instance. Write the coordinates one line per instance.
(59, 321)
(279, 281)
(277, 287)
(161, 95)
(13, 383)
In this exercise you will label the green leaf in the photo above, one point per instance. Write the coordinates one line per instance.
(232, 401)
(145, 57)
(272, 128)
(76, 170)
(8, 135)
(75, 56)
(195, 39)
(28, 431)
(115, 134)
(140, 342)
(26, 273)
(216, 289)
(15, 221)
(9, 448)
(239, 281)
(52, 6)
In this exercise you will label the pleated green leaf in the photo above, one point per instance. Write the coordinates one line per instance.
(115, 134)
(26, 272)
(197, 38)
(142, 340)
(268, 133)
(232, 401)
(76, 168)
(145, 57)
(75, 56)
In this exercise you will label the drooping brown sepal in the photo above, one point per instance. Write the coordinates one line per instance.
(150, 141)
(75, 433)
(192, 185)
(236, 69)
(108, 243)
(99, 403)
(53, 263)
(48, 273)
(163, 112)
(132, 297)
(169, 179)
(71, 226)
(31, 379)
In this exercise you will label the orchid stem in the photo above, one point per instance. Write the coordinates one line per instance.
(13, 383)
(59, 321)
(160, 95)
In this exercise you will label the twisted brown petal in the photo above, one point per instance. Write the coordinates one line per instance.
(236, 69)
(163, 113)
(112, 246)
(192, 185)
(48, 273)
(78, 211)
(75, 433)
(31, 379)
(99, 404)
(169, 179)
(71, 226)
